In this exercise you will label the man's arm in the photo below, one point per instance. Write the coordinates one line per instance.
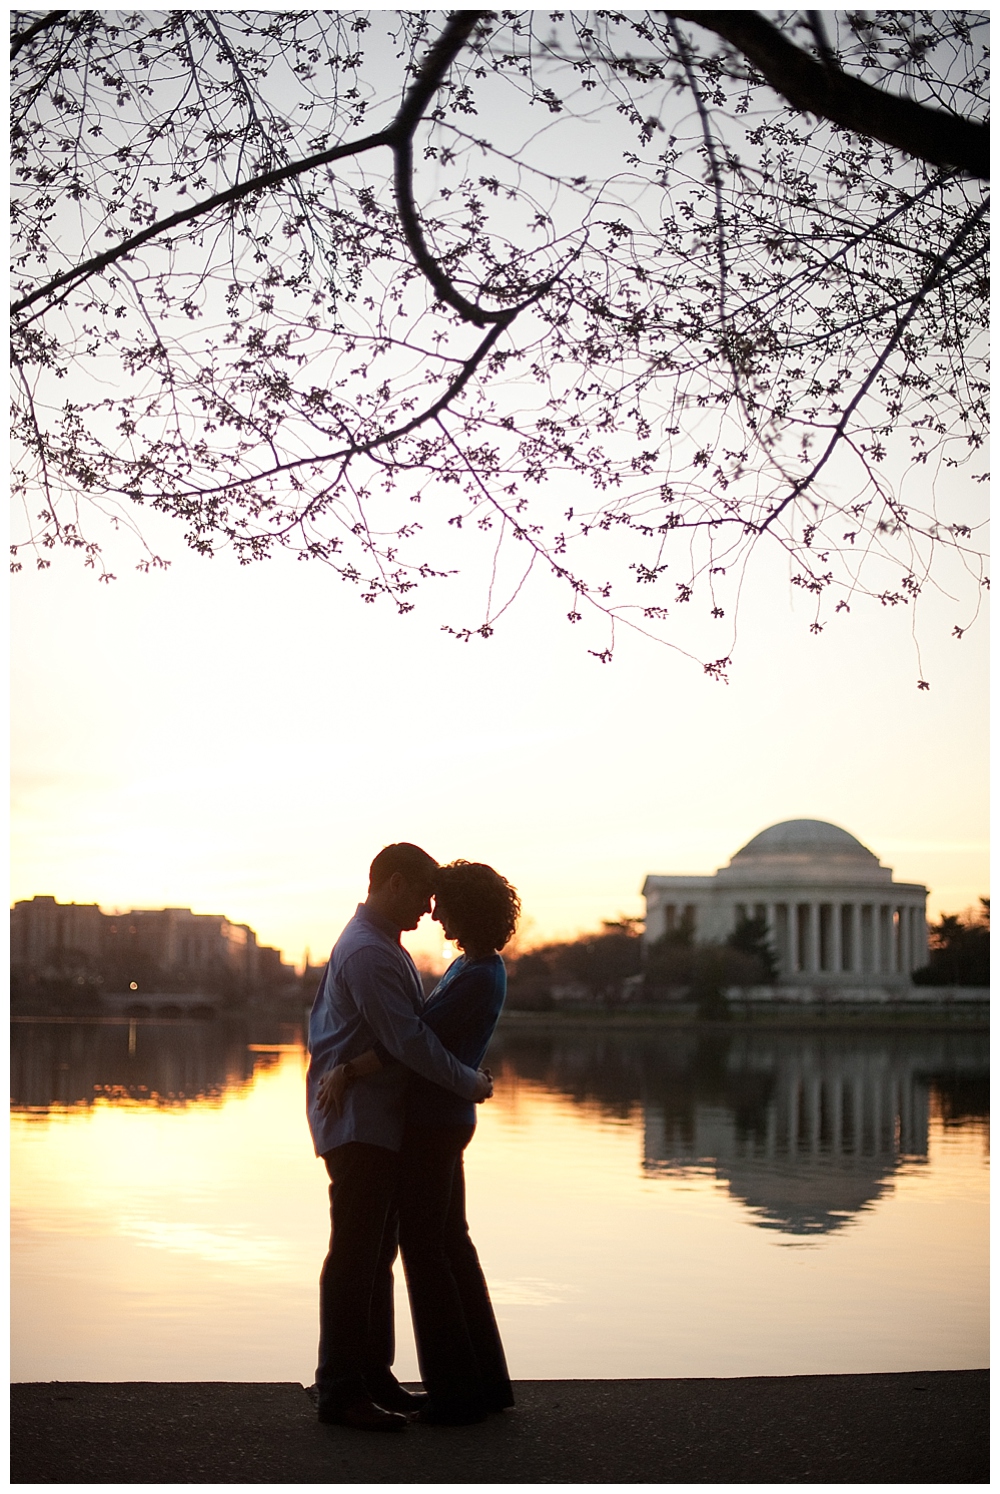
(380, 989)
(465, 1013)
(336, 1082)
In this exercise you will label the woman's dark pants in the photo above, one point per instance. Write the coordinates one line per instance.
(461, 1356)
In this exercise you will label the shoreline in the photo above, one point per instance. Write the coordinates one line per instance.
(895, 1016)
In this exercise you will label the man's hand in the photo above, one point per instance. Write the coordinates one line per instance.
(331, 1091)
(485, 1091)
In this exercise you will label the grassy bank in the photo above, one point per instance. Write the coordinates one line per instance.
(972, 1017)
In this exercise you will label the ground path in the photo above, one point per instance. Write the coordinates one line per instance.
(897, 1428)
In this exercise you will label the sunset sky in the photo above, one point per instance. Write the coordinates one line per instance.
(242, 741)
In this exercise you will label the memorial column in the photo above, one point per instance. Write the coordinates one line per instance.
(856, 960)
(906, 939)
(771, 917)
(876, 938)
(812, 954)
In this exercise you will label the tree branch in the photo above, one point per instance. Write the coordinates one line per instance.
(460, 26)
(408, 217)
(430, 76)
(398, 135)
(21, 38)
(187, 215)
(365, 448)
(830, 93)
(929, 283)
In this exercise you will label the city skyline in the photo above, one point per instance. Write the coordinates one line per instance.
(652, 921)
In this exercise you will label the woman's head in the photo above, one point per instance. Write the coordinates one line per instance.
(475, 905)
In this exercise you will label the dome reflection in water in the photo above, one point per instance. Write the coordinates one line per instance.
(664, 1202)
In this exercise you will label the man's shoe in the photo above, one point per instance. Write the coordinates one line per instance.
(395, 1397)
(364, 1415)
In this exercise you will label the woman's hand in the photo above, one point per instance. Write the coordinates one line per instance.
(485, 1086)
(332, 1089)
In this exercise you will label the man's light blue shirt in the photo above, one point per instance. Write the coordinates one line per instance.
(371, 992)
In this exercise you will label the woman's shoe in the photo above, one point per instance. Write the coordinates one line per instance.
(500, 1401)
(451, 1416)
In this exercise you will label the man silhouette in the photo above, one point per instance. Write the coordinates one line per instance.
(371, 994)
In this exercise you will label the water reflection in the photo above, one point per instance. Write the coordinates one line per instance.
(168, 1217)
(806, 1130)
(75, 1064)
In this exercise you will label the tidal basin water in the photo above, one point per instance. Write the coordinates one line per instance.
(645, 1204)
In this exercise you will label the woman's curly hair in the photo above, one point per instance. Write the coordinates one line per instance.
(482, 904)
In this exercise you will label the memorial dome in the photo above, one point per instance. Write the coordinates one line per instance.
(804, 838)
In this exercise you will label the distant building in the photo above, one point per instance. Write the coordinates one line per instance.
(169, 948)
(180, 945)
(56, 938)
(834, 914)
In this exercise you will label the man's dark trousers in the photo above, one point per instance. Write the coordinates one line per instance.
(357, 1333)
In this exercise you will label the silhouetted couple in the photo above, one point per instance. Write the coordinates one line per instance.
(392, 1088)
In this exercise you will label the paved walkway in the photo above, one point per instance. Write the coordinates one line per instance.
(912, 1428)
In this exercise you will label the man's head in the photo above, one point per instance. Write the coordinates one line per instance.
(400, 883)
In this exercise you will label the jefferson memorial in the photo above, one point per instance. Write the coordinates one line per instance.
(834, 914)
